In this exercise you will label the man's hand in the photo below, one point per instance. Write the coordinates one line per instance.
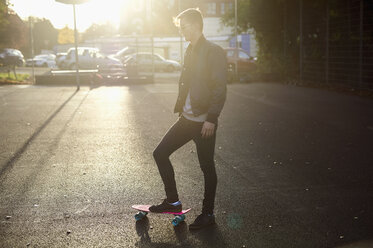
(208, 129)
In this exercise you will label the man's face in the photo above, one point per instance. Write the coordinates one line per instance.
(186, 29)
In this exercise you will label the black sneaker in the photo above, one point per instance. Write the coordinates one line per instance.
(202, 220)
(165, 207)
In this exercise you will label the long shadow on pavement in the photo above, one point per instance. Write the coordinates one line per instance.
(209, 237)
(11, 161)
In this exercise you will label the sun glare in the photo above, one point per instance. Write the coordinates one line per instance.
(95, 11)
(99, 11)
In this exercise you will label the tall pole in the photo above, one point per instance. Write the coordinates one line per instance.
(152, 38)
(76, 51)
(235, 34)
(284, 29)
(181, 40)
(361, 44)
(300, 40)
(327, 44)
(32, 48)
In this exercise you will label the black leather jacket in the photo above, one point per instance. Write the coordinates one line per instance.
(205, 74)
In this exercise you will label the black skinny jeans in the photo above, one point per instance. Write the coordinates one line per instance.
(178, 135)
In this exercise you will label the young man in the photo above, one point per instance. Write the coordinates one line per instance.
(202, 93)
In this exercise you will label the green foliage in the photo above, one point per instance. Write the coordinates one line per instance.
(11, 77)
(65, 35)
(3, 13)
(14, 32)
(45, 35)
(266, 18)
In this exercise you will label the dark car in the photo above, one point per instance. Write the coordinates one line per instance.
(143, 63)
(246, 64)
(11, 57)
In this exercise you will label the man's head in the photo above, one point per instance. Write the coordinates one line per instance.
(190, 23)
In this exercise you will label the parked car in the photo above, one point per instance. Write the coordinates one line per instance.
(143, 62)
(10, 56)
(89, 58)
(245, 62)
(123, 54)
(59, 58)
(42, 60)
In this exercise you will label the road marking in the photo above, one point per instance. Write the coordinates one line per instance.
(82, 210)
(23, 86)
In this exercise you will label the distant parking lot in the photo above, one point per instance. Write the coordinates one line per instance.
(168, 77)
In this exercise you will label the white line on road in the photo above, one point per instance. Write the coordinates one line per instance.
(82, 210)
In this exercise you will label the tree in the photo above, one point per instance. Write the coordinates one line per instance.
(3, 13)
(66, 36)
(277, 28)
(45, 35)
(163, 14)
(13, 29)
(99, 30)
(266, 19)
(139, 21)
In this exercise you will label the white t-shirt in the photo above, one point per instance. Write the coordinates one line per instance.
(188, 113)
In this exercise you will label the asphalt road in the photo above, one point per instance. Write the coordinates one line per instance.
(294, 168)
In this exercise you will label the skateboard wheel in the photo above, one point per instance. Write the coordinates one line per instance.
(140, 215)
(178, 219)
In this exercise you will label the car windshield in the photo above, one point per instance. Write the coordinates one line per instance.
(230, 53)
(243, 55)
(44, 56)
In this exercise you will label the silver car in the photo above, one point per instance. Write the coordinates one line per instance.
(143, 62)
(89, 58)
(42, 60)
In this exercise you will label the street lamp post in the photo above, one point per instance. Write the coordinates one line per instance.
(181, 39)
(76, 51)
(32, 48)
(236, 35)
(74, 2)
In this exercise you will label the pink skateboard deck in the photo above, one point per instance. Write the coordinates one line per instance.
(145, 208)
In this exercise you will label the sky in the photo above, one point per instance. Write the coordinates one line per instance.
(60, 15)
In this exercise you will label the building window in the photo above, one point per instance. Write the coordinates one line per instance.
(211, 8)
(222, 8)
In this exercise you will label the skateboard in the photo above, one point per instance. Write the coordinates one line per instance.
(144, 210)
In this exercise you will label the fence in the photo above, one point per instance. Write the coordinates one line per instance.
(335, 42)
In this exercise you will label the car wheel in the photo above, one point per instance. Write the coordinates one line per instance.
(19, 63)
(170, 68)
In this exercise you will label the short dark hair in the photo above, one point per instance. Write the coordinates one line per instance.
(191, 15)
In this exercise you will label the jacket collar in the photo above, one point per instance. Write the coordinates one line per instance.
(198, 45)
